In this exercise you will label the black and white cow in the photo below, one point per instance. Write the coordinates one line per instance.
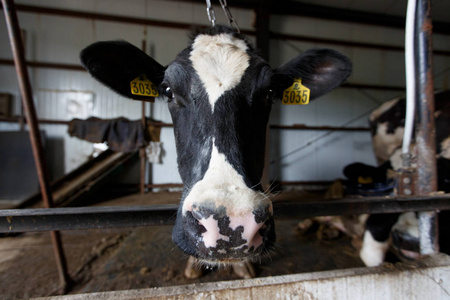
(220, 94)
(387, 126)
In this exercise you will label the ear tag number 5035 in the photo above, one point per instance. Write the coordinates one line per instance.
(142, 86)
(296, 94)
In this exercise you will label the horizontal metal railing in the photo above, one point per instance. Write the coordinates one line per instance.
(76, 218)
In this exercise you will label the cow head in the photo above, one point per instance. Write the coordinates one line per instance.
(220, 94)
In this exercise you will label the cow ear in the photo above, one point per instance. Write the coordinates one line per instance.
(320, 70)
(117, 63)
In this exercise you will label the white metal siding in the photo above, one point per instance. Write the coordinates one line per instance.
(59, 39)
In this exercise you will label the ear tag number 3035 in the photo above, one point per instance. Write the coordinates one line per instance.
(296, 94)
(142, 86)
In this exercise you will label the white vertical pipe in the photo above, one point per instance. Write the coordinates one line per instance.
(410, 69)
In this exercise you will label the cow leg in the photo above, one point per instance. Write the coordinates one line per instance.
(376, 238)
(193, 268)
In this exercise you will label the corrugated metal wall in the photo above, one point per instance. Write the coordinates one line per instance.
(62, 94)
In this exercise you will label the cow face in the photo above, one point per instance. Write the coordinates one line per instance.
(219, 94)
(387, 127)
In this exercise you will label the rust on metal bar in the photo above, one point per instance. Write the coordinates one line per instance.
(36, 64)
(17, 48)
(76, 218)
(306, 127)
(363, 45)
(142, 157)
(425, 131)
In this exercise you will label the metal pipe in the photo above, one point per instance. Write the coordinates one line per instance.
(425, 132)
(273, 126)
(364, 45)
(28, 105)
(142, 149)
(77, 218)
(294, 8)
(410, 70)
(306, 127)
(36, 64)
(273, 35)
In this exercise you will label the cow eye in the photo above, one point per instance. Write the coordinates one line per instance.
(168, 93)
(270, 95)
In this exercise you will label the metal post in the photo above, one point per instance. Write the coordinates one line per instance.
(425, 132)
(142, 153)
(28, 105)
(142, 149)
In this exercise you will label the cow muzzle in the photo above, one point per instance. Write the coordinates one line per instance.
(217, 231)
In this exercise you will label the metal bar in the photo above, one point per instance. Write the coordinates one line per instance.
(272, 9)
(365, 205)
(373, 87)
(37, 64)
(300, 8)
(305, 127)
(364, 45)
(315, 182)
(297, 8)
(17, 48)
(43, 121)
(142, 162)
(273, 126)
(142, 157)
(76, 218)
(425, 132)
(346, 15)
(103, 17)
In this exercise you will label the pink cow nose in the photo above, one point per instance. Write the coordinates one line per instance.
(232, 236)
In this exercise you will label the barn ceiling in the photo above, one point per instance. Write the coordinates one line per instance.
(440, 8)
(389, 13)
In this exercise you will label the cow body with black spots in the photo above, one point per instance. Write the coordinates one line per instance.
(220, 94)
(387, 127)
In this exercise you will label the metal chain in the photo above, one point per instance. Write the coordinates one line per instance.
(210, 12)
(231, 21)
(212, 16)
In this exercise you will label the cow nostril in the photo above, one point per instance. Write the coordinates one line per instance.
(197, 215)
(195, 218)
(262, 215)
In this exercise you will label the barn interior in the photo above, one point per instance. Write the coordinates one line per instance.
(308, 145)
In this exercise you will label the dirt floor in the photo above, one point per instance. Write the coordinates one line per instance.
(132, 258)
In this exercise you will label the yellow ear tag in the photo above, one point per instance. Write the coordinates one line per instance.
(296, 94)
(142, 86)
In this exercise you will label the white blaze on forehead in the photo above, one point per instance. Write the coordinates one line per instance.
(220, 61)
